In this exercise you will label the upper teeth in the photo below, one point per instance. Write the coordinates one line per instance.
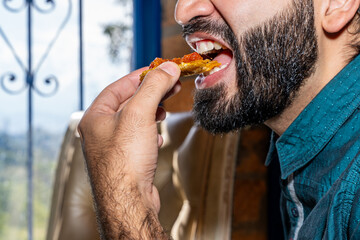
(208, 46)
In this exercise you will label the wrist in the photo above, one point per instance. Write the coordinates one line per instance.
(127, 209)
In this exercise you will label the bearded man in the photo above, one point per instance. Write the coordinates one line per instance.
(291, 64)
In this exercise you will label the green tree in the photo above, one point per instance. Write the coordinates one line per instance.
(4, 203)
(120, 33)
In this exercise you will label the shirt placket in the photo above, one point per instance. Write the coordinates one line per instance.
(295, 209)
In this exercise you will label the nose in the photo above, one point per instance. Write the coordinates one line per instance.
(188, 9)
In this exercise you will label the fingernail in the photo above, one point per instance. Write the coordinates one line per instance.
(169, 68)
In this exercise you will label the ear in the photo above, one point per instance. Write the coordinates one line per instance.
(338, 13)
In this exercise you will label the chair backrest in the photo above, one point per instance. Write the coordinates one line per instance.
(195, 179)
(72, 213)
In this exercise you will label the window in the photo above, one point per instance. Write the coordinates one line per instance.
(104, 61)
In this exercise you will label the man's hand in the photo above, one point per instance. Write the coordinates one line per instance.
(120, 143)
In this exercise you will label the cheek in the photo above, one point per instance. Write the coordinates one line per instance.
(232, 87)
(319, 11)
(242, 15)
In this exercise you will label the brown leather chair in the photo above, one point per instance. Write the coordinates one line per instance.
(194, 178)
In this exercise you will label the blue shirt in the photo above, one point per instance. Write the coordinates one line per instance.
(319, 156)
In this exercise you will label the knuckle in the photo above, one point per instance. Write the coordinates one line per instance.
(149, 90)
(131, 122)
(91, 127)
(131, 115)
(157, 81)
(159, 75)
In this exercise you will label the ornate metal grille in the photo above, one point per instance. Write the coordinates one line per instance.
(9, 80)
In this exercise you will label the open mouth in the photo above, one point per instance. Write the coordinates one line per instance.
(211, 48)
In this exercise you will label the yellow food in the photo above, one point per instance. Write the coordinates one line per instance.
(191, 64)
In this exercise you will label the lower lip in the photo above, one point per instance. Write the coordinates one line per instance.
(202, 81)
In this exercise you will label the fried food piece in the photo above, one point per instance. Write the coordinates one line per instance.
(190, 64)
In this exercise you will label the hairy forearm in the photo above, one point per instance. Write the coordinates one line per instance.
(123, 211)
(141, 223)
(127, 218)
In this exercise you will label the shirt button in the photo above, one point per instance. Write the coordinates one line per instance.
(295, 212)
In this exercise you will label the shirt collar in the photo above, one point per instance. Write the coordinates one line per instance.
(319, 121)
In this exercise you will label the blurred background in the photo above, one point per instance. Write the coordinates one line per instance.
(107, 39)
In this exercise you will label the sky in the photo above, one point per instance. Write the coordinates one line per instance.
(53, 113)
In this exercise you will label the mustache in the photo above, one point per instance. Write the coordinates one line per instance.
(209, 26)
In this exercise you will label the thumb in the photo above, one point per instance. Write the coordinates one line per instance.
(154, 87)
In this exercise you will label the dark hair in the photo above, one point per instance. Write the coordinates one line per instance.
(355, 44)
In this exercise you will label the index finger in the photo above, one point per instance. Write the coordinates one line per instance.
(117, 92)
(154, 88)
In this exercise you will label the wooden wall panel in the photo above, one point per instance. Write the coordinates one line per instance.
(250, 187)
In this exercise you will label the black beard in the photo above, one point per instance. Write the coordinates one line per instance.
(272, 61)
